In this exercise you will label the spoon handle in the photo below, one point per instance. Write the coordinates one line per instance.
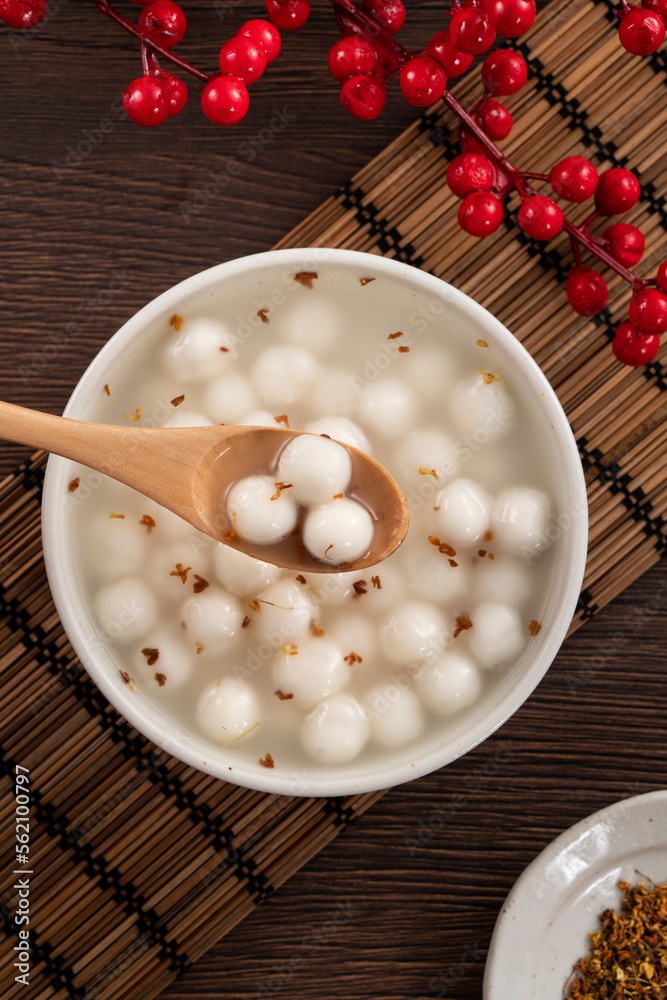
(133, 455)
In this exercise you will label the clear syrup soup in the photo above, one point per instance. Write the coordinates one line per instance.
(311, 672)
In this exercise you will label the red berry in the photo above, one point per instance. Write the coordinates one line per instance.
(470, 31)
(363, 96)
(469, 172)
(658, 7)
(163, 22)
(452, 61)
(243, 57)
(350, 55)
(504, 72)
(146, 101)
(632, 348)
(265, 33)
(225, 100)
(480, 213)
(495, 119)
(661, 276)
(648, 311)
(22, 14)
(641, 31)
(574, 178)
(586, 290)
(288, 15)
(422, 81)
(626, 243)
(540, 217)
(177, 91)
(618, 190)
(511, 18)
(389, 13)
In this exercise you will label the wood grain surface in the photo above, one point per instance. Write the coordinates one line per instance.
(97, 221)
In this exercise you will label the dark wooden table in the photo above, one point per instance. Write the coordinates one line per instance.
(94, 223)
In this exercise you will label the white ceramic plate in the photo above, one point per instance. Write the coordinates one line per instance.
(543, 925)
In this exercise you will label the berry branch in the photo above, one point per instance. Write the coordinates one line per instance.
(366, 58)
(149, 42)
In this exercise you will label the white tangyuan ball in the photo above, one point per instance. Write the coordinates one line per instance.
(336, 731)
(202, 350)
(428, 450)
(282, 374)
(480, 408)
(431, 575)
(170, 526)
(120, 544)
(355, 634)
(332, 588)
(450, 683)
(388, 406)
(286, 612)
(313, 670)
(395, 714)
(338, 531)
(312, 324)
(341, 429)
(257, 418)
(213, 620)
(496, 634)
(126, 610)
(519, 520)
(461, 513)
(261, 512)
(315, 467)
(187, 418)
(172, 568)
(228, 397)
(501, 577)
(432, 371)
(227, 710)
(240, 573)
(333, 391)
(164, 660)
(413, 632)
(389, 586)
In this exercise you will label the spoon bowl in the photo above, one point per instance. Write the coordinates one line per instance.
(189, 470)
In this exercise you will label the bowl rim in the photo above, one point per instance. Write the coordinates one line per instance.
(61, 576)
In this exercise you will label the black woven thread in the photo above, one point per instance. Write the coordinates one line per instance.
(341, 814)
(56, 661)
(586, 605)
(30, 475)
(634, 500)
(389, 240)
(57, 971)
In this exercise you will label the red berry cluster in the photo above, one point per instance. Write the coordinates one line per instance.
(22, 14)
(642, 27)
(157, 95)
(483, 182)
(365, 58)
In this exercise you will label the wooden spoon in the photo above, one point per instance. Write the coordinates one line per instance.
(188, 470)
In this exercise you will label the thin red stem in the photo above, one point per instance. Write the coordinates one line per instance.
(145, 60)
(352, 19)
(347, 10)
(601, 253)
(109, 11)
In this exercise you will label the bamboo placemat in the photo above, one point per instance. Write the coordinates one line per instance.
(141, 862)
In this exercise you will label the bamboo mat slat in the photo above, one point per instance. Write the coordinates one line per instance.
(143, 863)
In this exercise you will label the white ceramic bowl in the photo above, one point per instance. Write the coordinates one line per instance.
(461, 734)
